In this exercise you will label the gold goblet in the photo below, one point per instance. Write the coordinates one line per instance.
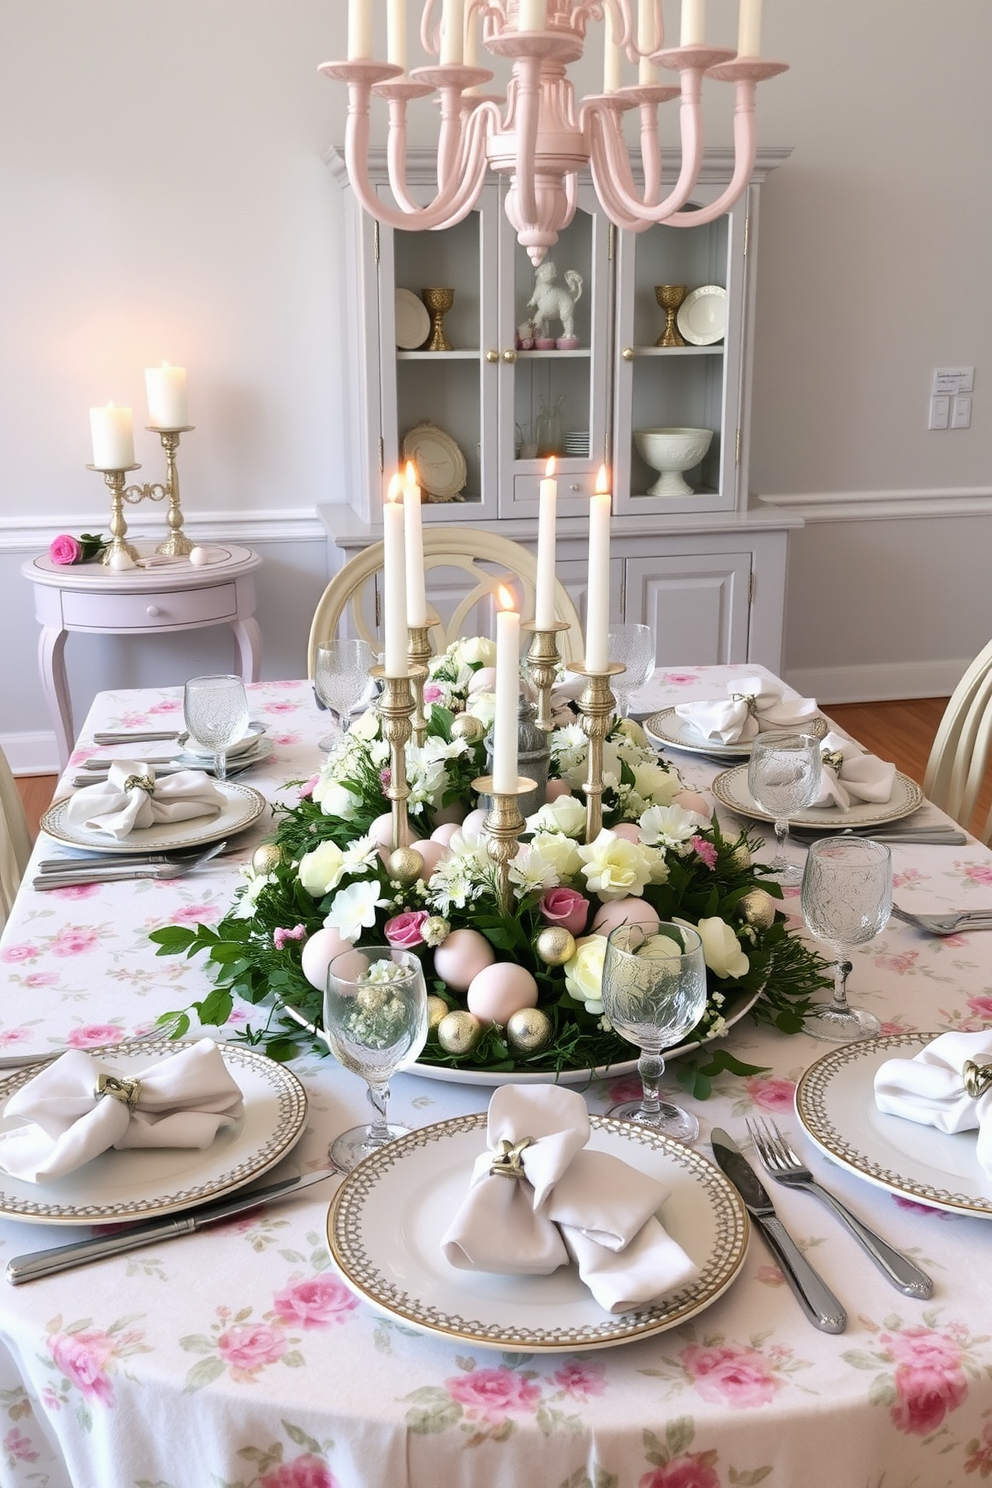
(438, 302)
(670, 297)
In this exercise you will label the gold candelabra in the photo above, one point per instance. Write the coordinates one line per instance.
(596, 704)
(177, 544)
(395, 708)
(419, 652)
(542, 666)
(502, 827)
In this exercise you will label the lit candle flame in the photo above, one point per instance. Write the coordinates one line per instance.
(395, 489)
(506, 598)
(412, 478)
(549, 469)
(602, 482)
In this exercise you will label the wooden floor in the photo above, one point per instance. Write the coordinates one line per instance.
(902, 732)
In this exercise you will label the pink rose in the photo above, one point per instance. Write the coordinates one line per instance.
(978, 872)
(922, 1348)
(307, 788)
(925, 1397)
(65, 549)
(981, 1006)
(194, 914)
(771, 1094)
(250, 1346)
(19, 1446)
(312, 1303)
(405, 930)
(22, 952)
(94, 1034)
(74, 940)
(565, 907)
(83, 1357)
(303, 1472)
(581, 1380)
(731, 1376)
(695, 1470)
(491, 1394)
(433, 693)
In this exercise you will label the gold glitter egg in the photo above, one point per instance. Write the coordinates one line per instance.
(528, 1030)
(437, 1009)
(405, 864)
(757, 909)
(266, 859)
(458, 1032)
(466, 726)
(740, 858)
(555, 946)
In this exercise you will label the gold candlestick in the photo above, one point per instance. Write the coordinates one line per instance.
(502, 826)
(542, 666)
(596, 705)
(395, 707)
(177, 544)
(118, 525)
(419, 651)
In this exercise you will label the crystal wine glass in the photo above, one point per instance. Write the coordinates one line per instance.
(341, 679)
(634, 646)
(375, 1016)
(215, 710)
(783, 776)
(846, 900)
(654, 992)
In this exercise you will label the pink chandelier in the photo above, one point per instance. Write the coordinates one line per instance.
(540, 136)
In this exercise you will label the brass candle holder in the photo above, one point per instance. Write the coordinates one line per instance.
(395, 707)
(502, 827)
(596, 704)
(177, 544)
(542, 666)
(419, 651)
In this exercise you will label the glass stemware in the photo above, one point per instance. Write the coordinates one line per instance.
(215, 711)
(846, 900)
(654, 992)
(341, 679)
(634, 646)
(783, 776)
(375, 1017)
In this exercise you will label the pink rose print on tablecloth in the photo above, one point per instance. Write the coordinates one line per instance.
(981, 1006)
(580, 1381)
(977, 873)
(85, 1358)
(696, 1470)
(18, 1447)
(76, 891)
(280, 705)
(902, 963)
(167, 705)
(738, 1377)
(770, 1093)
(13, 954)
(249, 1347)
(924, 1377)
(303, 1472)
(240, 1346)
(314, 1302)
(909, 878)
(94, 1034)
(979, 1459)
(675, 1466)
(678, 679)
(490, 1395)
(75, 940)
(285, 738)
(196, 914)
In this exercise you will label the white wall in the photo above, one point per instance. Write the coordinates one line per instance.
(164, 197)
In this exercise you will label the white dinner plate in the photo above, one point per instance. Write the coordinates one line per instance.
(413, 321)
(731, 789)
(835, 1101)
(259, 751)
(243, 805)
(702, 315)
(668, 730)
(250, 739)
(143, 1183)
(386, 1222)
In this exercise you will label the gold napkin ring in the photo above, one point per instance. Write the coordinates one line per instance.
(127, 1091)
(508, 1161)
(833, 759)
(748, 699)
(977, 1078)
(140, 782)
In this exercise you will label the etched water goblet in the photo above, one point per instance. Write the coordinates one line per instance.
(375, 1017)
(439, 302)
(654, 992)
(846, 900)
(341, 680)
(634, 646)
(215, 711)
(670, 297)
(783, 776)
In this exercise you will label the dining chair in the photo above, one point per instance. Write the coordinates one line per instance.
(15, 839)
(957, 765)
(467, 564)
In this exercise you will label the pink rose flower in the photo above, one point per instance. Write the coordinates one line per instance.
(194, 914)
(405, 930)
(433, 693)
(250, 1346)
(78, 891)
(39, 979)
(307, 789)
(771, 1094)
(65, 549)
(492, 1394)
(694, 1470)
(928, 1378)
(980, 873)
(18, 1446)
(94, 1034)
(981, 1006)
(315, 1302)
(581, 1380)
(731, 1376)
(74, 940)
(303, 1472)
(82, 1358)
(565, 907)
(15, 953)
(280, 936)
(704, 850)
(167, 705)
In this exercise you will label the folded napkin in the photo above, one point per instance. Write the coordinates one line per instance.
(132, 798)
(851, 774)
(183, 1100)
(555, 1200)
(754, 705)
(933, 1088)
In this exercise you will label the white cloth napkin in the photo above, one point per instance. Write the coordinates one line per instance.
(930, 1088)
(184, 1101)
(754, 705)
(859, 776)
(122, 805)
(571, 1203)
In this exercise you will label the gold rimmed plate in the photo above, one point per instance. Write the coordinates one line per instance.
(731, 790)
(667, 730)
(242, 806)
(387, 1219)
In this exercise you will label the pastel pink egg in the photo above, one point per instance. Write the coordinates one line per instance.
(475, 821)
(460, 958)
(445, 832)
(484, 680)
(558, 788)
(318, 953)
(627, 830)
(432, 854)
(621, 912)
(693, 801)
(500, 991)
(381, 830)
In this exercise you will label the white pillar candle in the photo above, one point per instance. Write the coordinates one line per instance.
(471, 37)
(113, 437)
(693, 32)
(396, 33)
(532, 15)
(452, 33)
(166, 390)
(598, 590)
(544, 599)
(359, 30)
(413, 532)
(505, 723)
(647, 41)
(749, 29)
(394, 582)
(612, 58)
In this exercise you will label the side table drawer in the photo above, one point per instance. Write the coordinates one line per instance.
(166, 610)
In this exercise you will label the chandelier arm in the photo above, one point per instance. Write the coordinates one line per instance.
(571, 185)
(745, 152)
(527, 115)
(650, 152)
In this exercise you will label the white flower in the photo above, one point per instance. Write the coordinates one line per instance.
(721, 948)
(584, 972)
(336, 799)
(366, 726)
(530, 871)
(567, 815)
(656, 785)
(615, 868)
(668, 826)
(476, 651)
(360, 854)
(633, 731)
(321, 871)
(255, 883)
(559, 852)
(482, 705)
(353, 909)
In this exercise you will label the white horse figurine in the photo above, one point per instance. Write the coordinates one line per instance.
(551, 303)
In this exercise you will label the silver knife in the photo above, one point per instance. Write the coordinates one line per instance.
(47, 1262)
(136, 737)
(814, 1296)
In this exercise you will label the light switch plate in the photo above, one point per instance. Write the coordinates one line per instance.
(940, 412)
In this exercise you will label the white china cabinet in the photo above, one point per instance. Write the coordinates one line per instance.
(484, 411)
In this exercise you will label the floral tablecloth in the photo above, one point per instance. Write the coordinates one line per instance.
(238, 1357)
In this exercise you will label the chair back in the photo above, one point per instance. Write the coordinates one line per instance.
(956, 767)
(476, 561)
(15, 839)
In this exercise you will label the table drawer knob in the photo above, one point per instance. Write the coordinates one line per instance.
(153, 610)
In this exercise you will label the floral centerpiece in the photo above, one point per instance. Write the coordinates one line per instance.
(510, 991)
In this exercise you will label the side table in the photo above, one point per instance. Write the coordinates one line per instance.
(171, 595)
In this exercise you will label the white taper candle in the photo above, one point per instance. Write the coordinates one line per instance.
(396, 33)
(413, 532)
(693, 30)
(452, 33)
(544, 598)
(505, 723)
(394, 582)
(749, 29)
(359, 30)
(647, 41)
(598, 589)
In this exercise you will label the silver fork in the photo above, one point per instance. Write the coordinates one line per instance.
(949, 924)
(24, 1061)
(786, 1167)
(125, 870)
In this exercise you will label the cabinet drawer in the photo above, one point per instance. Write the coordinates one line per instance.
(574, 484)
(166, 610)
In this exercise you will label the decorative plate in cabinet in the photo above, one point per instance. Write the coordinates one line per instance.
(440, 464)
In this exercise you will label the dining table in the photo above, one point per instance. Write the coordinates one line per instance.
(240, 1357)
